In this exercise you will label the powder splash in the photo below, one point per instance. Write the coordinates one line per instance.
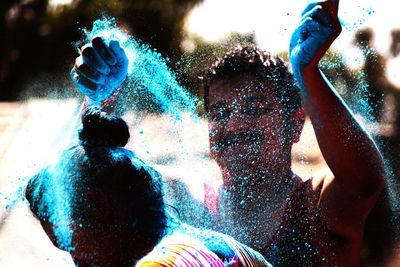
(148, 74)
(147, 71)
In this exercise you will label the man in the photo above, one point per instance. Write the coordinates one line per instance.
(255, 116)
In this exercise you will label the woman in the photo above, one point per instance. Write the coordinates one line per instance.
(105, 206)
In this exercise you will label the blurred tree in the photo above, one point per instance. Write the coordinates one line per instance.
(159, 23)
(38, 37)
(22, 39)
(200, 55)
(343, 78)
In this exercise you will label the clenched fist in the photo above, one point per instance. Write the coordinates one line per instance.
(100, 69)
(318, 28)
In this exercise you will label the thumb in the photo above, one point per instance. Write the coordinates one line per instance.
(335, 5)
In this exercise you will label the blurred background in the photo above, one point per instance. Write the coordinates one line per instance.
(38, 103)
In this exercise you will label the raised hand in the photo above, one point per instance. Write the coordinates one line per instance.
(317, 30)
(100, 69)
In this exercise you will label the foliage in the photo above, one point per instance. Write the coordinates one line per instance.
(192, 65)
(38, 38)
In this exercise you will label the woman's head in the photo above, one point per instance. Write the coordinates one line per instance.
(100, 196)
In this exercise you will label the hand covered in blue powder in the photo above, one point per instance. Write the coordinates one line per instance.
(100, 69)
(318, 28)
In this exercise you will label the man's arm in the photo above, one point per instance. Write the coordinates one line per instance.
(99, 71)
(354, 159)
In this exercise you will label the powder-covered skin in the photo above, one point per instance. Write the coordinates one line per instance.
(144, 68)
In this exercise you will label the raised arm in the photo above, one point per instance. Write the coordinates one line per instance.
(357, 166)
(99, 71)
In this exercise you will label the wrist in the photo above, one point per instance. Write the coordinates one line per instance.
(309, 70)
(89, 102)
(107, 104)
(297, 70)
(304, 73)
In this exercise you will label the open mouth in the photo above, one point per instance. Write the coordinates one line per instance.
(252, 137)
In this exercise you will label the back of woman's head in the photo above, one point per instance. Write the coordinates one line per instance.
(103, 130)
(97, 171)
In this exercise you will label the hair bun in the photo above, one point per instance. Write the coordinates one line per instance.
(102, 129)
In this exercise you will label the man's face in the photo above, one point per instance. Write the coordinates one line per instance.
(247, 124)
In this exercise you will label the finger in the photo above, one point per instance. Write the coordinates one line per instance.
(318, 14)
(335, 4)
(94, 76)
(94, 61)
(83, 69)
(83, 84)
(308, 27)
(332, 8)
(310, 5)
(116, 49)
(331, 5)
(102, 49)
(311, 26)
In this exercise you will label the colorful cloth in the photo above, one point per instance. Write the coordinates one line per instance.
(302, 237)
(245, 256)
(180, 252)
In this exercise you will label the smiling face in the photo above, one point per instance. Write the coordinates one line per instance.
(249, 127)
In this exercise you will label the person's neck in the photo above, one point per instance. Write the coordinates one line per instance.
(260, 181)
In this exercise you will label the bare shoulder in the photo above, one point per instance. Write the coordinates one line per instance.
(342, 213)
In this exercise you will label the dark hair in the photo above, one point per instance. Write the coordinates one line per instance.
(248, 59)
(102, 129)
(395, 44)
(97, 163)
(363, 36)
